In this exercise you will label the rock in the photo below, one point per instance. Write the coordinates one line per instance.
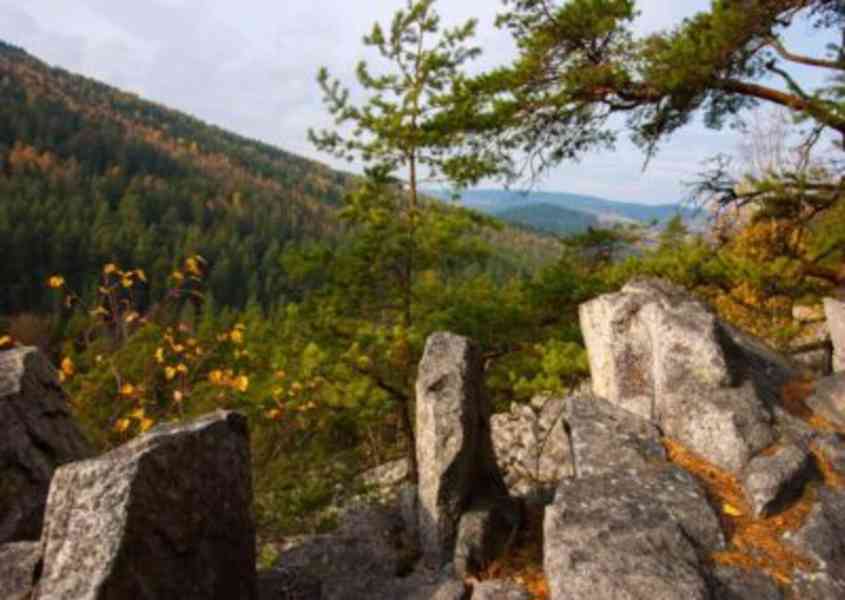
(532, 447)
(657, 352)
(808, 313)
(364, 554)
(832, 447)
(726, 426)
(835, 312)
(772, 480)
(616, 536)
(18, 569)
(289, 584)
(454, 450)
(822, 535)
(811, 348)
(37, 434)
(606, 438)
(500, 590)
(646, 340)
(168, 515)
(816, 586)
(486, 531)
(828, 399)
(754, 362)
(732, 583)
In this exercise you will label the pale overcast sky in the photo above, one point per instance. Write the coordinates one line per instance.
(250, 66)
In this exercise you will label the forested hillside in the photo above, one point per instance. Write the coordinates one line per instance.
(90, 175)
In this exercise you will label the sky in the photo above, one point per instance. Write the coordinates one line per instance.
(250, 66)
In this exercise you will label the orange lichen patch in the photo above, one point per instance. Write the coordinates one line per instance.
(832, 476)
(793, 396)
(524, 563)
(753, 544)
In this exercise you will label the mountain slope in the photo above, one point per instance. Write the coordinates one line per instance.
(90, 175)
(548, 218)
(606, 211)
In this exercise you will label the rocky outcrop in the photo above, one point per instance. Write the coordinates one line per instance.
(835, 312)
(658, 353)
(37, 435)
(532, 447)
(457, 466)
(168, 515)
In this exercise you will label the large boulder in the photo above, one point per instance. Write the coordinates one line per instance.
(37, 435)
(629, 535)
(457, 465)
(835, 312)
(656, 351)
(168, 515)
(647, 340)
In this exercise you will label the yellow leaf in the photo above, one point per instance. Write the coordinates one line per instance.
(177, 275)
(160, 355)
(132, 317)
(121, 425)
(5, 341)
(169, 373)
(141, 275)
(127, 389)
(731, 510)
(100, 311)
(192, 266)
(126, 282)
(242, 383)
(216, 377)
(236, 336)
(110, 268)
(274, 414)
(138, 413)
(181, 368)
(146, 424)
(67, 367)
(56, 282)
(177, 395)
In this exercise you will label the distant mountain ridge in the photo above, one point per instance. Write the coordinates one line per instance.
(582, 210)
(548, 218)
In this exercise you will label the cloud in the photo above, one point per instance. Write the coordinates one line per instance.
(250, 66)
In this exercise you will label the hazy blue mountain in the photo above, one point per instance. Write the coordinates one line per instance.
(500, 202)
(548, 218)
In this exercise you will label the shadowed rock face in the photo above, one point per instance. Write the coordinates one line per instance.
(37, 435)
(457, 466)
(168, 515)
